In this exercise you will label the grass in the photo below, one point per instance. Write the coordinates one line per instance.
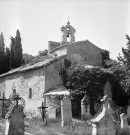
(37, 127)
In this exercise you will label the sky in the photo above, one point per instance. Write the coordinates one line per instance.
(103, 22)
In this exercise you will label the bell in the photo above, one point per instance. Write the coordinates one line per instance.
(68, 34)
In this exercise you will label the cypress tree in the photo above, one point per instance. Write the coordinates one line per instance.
(17, 50)
(12, 52)
(7, 58)
(2, 54)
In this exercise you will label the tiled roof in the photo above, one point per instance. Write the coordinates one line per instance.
(24, 68)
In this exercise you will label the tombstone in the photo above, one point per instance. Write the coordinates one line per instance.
(124, 122)
(104, 122)
(97, 106)
(52, 112)
(128, 111)
(15, 119)
(15, 122)
(85, 106)
(66, 111)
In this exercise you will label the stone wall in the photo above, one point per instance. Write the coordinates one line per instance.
(22, 82)
(84, 52)
(52, 74)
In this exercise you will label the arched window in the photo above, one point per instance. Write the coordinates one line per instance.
(14, 91)
(30, 92)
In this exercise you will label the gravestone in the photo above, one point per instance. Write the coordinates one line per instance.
(52, 112)
(15, 122)
(104, 122)
(85, 106)
(15, 118)
(124, 122)
(66, 111)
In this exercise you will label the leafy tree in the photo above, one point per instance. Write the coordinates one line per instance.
(28, 58)
(120, 83)
(2, 54)
(43, 53)
(106, 61)
(125, 59)
(17, 50)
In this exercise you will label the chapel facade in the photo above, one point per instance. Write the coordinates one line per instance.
(31, 82)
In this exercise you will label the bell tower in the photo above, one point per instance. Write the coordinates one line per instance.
(67, 33)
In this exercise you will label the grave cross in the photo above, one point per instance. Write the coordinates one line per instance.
(43, 110)
(3, 104)
(17, 98)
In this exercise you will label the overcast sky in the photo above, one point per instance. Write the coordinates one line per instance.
(102, 22)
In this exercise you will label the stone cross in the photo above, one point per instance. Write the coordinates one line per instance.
(17, 98)
(3, 105)
(43, 110)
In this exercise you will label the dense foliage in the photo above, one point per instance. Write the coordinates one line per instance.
(10, 57)
(106, 61)
(125, 59)
(92, 80)
(2, 53)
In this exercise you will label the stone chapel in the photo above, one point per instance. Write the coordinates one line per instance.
(33, 81)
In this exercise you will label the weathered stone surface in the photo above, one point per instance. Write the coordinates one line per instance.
(66, 111)
(15, 122)
(104, 122)
(124, 122)
(85, 106)
(52, 74)
(52, 112)
(87, 53)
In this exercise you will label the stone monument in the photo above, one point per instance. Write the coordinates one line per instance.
(124, 122)
(15, 119)
(66, 111)
(104, 122)
(52, 112)
(85, 106)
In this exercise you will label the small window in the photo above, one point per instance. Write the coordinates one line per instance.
(30, 92)
(14, 91)
(85, 58)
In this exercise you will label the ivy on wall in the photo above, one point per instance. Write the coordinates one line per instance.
(92, 80)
